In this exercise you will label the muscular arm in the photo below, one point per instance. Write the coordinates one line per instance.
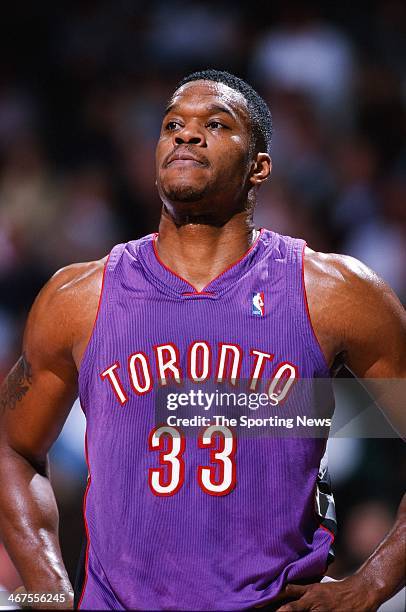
(359, 321)
(35, 400)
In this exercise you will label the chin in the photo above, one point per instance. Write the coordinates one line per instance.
(184, 193)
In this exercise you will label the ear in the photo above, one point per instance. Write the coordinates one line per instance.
(260, 169)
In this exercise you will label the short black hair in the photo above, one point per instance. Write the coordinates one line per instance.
(260, 115)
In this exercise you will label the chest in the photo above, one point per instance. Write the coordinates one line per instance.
(146, 344)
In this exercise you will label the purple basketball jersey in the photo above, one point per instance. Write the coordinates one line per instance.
(218, 520)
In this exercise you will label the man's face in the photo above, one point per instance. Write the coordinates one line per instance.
(203, 153)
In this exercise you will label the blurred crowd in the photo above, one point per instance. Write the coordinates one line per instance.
(82, 89)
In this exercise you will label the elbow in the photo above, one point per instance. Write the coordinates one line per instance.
(11, 459)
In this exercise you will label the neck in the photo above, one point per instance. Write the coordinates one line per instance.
(199, 252)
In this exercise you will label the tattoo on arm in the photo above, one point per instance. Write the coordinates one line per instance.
(16, 385)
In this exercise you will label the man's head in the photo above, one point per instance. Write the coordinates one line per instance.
(258, 110)
(214, 146)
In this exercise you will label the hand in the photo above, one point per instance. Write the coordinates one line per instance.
(348, 595)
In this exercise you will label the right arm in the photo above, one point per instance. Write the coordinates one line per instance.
(35, 400)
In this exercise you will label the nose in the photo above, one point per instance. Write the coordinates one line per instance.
(190, 134)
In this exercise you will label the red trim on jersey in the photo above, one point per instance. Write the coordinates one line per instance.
(283, 380)
(189, 360)
(328, 531)
(189, 293)
(86, 526)
(175, 365)
(253, 245)
(307, 307)
(104, 375)
(168, 268)
(228, 368)
(151, 380)
(269, 356)
(98, 309)
(202, 292)
(166, 463)
(217, 434)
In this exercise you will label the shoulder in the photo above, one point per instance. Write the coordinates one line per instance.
(336, 267)
(70, 287)
(64, 311)
(352, 306)
(76, 281)
(341, 280)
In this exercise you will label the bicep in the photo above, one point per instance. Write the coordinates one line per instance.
(39, 391)
(376, 350)
(360, 321)
(376, 333)
(35, 403)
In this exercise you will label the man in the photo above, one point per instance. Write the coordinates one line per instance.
(204, 522)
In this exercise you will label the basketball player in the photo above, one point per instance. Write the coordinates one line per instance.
(204, 522)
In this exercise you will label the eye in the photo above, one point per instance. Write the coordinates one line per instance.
(172, 125)
(215, 124)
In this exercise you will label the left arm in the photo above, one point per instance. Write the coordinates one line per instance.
(380, 577)
(357, 317)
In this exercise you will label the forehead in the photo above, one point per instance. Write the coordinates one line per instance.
(210, 93)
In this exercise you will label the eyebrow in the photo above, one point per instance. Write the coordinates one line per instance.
(213, 108)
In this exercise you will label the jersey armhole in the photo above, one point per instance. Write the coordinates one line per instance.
(316, 347)
(104, 298)
(85, 352)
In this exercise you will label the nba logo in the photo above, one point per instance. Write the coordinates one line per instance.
(258, 305)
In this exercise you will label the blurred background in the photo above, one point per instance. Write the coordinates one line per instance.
(82, 88)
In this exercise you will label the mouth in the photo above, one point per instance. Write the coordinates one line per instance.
(184, 159)
(184, 162)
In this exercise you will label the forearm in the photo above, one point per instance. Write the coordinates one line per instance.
(29, 525)
(384, 572)
(381, 576)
